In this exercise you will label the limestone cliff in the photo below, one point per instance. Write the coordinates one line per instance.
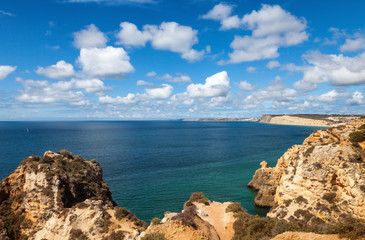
(61, 196)
(307, 120)
(200, 219)
(322, 180)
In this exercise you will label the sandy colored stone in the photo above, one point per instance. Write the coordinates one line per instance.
(324, 178)
(175, 230)
(215, 214)
(305, 236)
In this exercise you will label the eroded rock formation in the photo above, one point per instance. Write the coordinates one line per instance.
(322, 180)
(60, 196)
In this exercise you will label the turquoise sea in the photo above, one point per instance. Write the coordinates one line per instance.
(154, 166)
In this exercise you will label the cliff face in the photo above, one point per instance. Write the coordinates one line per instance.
(200, 219)
(60, 196)
(322, 180)
(307, 120)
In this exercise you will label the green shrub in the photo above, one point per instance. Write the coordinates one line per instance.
(362, 127)
(154, 236)
(350, 228)
(120, 212)
(187, 216)
(301, 199)
(65, 153)
(330, 197)
(356, 137)
(156, 221)
(303, 213)
(197, 197)
(115, 236)
(234, 207)
(355, 158)
(77, 234)
(309, 151)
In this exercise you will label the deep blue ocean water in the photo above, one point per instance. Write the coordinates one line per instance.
(154, 166)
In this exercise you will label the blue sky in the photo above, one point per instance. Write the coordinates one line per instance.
(164, 59)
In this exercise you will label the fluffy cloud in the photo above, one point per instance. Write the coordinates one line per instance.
(221, 12)
(62, 91)
(151, 74)
(251, 69)
(244, 85)
(356, 99)
(339, 95)
(276, 92)
(106, 62)
(91, 37)
(143, 83)
(217, 85)
(337, 69)
(272, 64)
(6, 70)
(272, 27)
(355, 44)
(130, 35)
(331, 96)
(184, 78)
(162, 92)
(129, 99)
(58, 71)
(154, 93)
(168, 36)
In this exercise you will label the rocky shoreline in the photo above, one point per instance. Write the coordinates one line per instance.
(295, 120)
(316, 187)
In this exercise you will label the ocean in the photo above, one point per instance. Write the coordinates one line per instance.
(154, 166)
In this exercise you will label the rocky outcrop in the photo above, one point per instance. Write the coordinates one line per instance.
(305, 236)
(200, 219)
(321, 181)
(61, 196)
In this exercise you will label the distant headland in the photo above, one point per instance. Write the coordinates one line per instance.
(321, 120)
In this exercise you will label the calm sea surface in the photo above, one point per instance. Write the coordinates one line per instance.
(154, 166)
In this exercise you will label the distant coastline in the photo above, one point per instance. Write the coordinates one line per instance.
(318, 120)
(221, 119)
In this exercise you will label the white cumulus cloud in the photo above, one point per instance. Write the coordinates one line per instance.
(169, 36)
(58, 71)
(276, 92)
(272, 27)
(6, 70)
(354, 44)
(331, 96)
(161, 92)
(246, 86)
(336, 69)
(71, 92)
(183, 78)
(153, 93)
(91, 37)
(251, 69)
(143, 83)
(357, 98)
(106, 62)
(272, 64)
(151, 74)
(217, 85)
(221, 12)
